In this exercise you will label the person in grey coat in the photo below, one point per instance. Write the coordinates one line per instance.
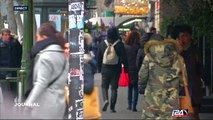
(46, 100)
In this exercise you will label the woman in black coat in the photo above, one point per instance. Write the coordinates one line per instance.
(132, 46)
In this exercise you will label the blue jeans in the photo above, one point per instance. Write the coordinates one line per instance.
(132, 95)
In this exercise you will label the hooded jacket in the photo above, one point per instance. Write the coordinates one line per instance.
(161, 72)
(89, 65)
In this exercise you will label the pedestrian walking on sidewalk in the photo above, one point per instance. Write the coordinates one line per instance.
(144, 38)
(132, 46)
(161, 73)
(91, 99)
(110, 66)
(49, 74)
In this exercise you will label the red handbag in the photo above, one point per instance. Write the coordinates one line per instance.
(124, 79)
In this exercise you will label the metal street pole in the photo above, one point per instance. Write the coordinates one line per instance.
(27, 42)
(76, 42)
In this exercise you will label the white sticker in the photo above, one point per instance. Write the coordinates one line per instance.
(76, 6)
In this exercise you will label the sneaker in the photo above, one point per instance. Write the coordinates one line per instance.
(106, 103)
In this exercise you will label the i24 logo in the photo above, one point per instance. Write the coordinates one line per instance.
(179, 113)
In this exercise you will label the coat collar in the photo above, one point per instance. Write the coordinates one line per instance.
(53, 47)
(159, 42)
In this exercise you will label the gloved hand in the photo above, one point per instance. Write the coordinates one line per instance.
(141, 87)
(126, 70)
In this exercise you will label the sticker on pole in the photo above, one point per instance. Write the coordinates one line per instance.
(76, 6)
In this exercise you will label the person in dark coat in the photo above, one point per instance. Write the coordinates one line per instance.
(89, 65)
(193, 61)
(10, 56)
(111, 73)
(132, 46)
(89, 87)
(145, 38)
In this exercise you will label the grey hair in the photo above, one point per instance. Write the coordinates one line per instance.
(5, 30)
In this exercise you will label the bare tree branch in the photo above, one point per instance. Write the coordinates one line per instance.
(11, 17)
(1, 17)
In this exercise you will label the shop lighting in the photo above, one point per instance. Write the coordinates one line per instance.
(132, 21)
(131, 7)
(127, 29)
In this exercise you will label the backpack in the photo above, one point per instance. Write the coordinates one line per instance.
(110, 57)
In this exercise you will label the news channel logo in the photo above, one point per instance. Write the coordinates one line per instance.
(180, 113)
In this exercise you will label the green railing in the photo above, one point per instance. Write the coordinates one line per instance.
(17, 79)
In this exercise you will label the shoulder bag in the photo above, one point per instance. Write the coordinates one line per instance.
(185, 101)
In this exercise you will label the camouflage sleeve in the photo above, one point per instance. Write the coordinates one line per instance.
(144, 72)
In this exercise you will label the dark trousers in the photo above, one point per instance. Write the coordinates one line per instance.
(12, 85)
(110, 79)
(132, 95)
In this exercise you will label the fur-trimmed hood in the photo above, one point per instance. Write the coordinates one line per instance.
(87, 58)
(88, 39)
(162, 52)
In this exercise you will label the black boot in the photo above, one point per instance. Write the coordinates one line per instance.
(112, 111)
(113, 101)
(134, 108)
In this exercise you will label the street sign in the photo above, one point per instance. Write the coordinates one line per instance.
(20, 8)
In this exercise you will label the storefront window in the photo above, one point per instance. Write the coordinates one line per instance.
(58, 17)
(54, 12)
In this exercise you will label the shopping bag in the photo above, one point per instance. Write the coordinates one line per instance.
(66, 95)
(124, 79)
(91, 105)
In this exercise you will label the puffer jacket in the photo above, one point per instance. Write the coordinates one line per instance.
(161, 72)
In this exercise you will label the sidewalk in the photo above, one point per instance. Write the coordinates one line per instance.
(121, 106)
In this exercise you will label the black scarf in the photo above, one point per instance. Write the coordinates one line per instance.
(39, 46)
